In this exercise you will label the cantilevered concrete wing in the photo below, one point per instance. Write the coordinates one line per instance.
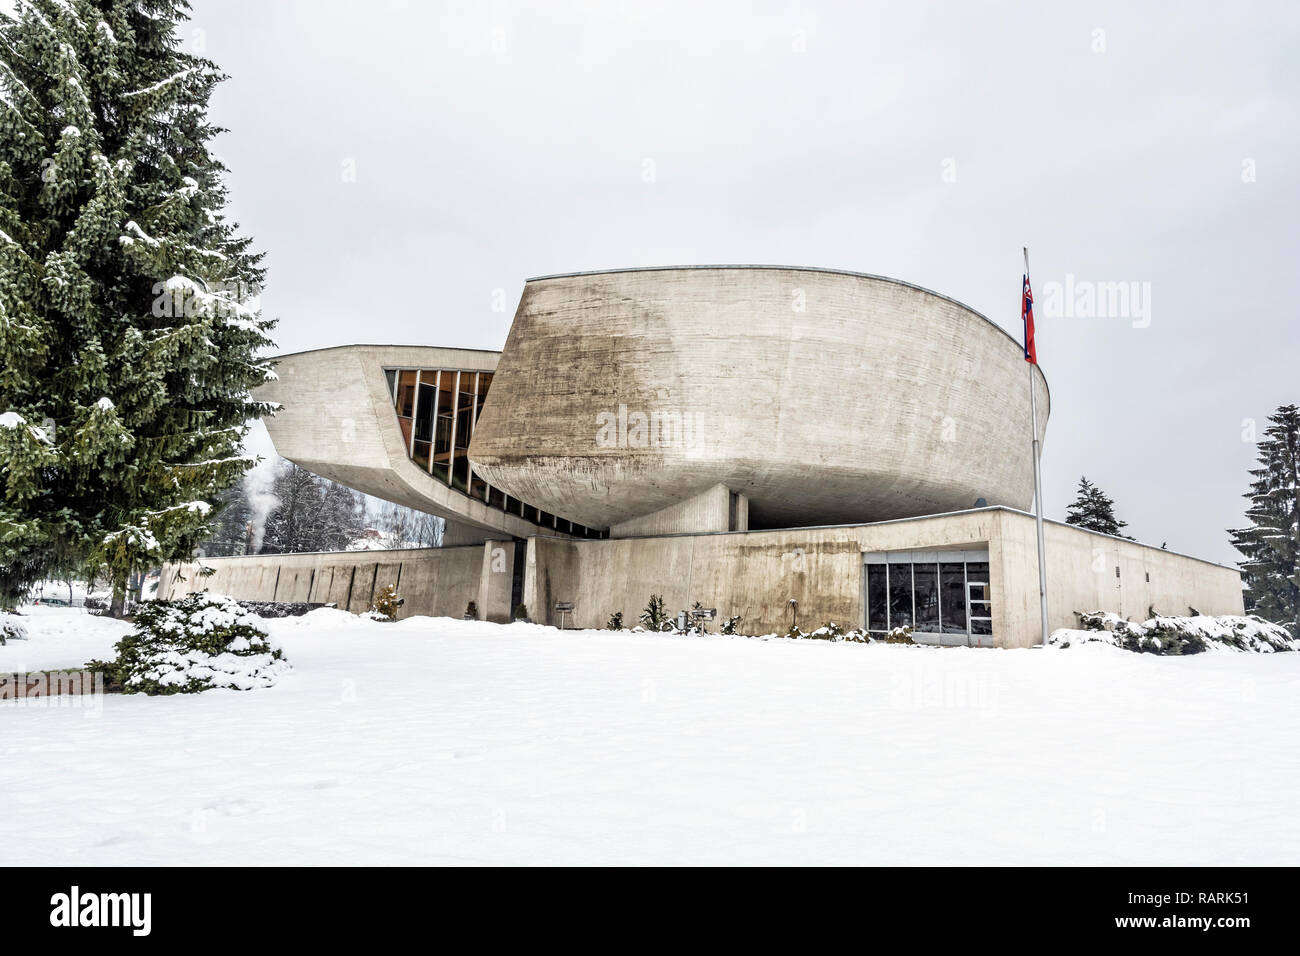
(395, 422)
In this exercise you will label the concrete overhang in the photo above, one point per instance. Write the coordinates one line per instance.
(337, 420)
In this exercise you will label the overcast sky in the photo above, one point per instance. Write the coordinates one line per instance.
(401, 162)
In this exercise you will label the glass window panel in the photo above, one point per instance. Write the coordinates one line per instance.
(442, 427)
(977, 574)
(900, 595)
(925, 582)
(424, 409)
(484, 383)
(406, 393)
(877, 606)
(980, 625)
(465, 410)
(391, 375)
(952, 596)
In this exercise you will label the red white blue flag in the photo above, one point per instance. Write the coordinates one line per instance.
(1027, 316)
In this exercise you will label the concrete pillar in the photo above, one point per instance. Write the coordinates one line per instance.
(531, 594)
(740, 520)
(495, 580)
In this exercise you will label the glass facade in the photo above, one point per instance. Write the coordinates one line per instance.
(436, 411)
(944, 593)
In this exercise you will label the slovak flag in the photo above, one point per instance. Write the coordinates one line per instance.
(1027, 316)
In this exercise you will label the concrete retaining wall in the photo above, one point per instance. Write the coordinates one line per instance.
(754, 575)
(438, 582)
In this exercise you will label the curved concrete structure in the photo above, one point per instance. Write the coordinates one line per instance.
(817, 397)
(337, 420)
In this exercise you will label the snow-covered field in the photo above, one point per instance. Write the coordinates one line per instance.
(441, 741)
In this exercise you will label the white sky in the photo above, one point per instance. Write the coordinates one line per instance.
(492, 142)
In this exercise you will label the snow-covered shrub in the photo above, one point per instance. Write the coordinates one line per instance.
(833, 632)
(12, 628)
(615, 622)
(196, 643)
(1175, 636)
(900, 635)
(729, 625)
(521, 612)
(386, 604)
(282, 608)
(828, 632)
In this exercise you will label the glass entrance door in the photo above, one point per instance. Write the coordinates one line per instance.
(979, 607)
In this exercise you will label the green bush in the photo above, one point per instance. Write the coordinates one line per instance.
(193, 644)
(615, 622)
(521, 612)
(654, 617)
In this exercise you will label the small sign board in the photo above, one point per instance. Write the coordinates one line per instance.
(704, 612)
(562, 608)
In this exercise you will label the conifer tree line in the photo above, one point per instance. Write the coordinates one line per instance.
(297, 511)
(129, 322)
(1270, 546)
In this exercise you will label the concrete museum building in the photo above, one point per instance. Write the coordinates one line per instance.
(786, 445)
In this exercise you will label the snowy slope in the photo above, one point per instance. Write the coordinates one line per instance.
(60, 638)
(441, 741)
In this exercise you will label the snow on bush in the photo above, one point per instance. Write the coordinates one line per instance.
(1179, 635)
(12, 628)
(196, 643)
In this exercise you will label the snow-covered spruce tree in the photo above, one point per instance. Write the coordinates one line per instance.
(1094, 510)
(1271, 546)
(194, 644)
(127, 318)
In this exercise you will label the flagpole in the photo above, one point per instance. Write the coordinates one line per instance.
(1038, 485)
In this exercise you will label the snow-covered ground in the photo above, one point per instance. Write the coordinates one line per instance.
(442, 741)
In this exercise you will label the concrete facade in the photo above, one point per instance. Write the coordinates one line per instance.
(823, 397)
(754, 575)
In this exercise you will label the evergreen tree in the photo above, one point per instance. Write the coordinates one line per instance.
(311, 514)
(233, 517)
(127, 298)
(1094, 510)
(1271, 571)
(655, 616)
(293, 525)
